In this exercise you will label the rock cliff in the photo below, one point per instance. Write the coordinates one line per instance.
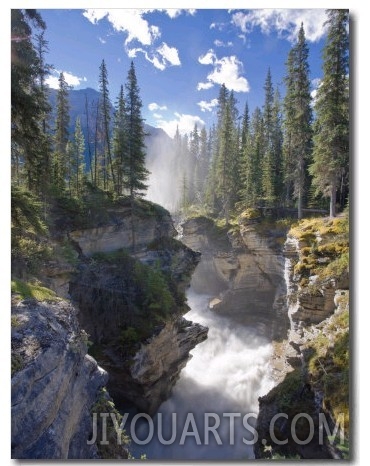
(311, 366)
(127, 283)
(131, 298)
(247, 274)
(54, 383)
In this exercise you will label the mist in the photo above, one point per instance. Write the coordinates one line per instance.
(161, 161)
(227, 374)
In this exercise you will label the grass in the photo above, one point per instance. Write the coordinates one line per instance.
(28, 290)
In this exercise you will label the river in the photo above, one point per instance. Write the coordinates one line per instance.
(216, 397)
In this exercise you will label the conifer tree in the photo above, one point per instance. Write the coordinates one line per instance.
(134, 170)
(28, 104)
(76, 158)
(61, 135)
(298, 119)
(253, 160)
(119, 141)
(268, 162)
(331, 139)
(106, 119)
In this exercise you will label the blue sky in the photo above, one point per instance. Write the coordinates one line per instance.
(181, 56)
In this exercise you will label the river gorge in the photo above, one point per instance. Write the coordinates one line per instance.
(203, 379)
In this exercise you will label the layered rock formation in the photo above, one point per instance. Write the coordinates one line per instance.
(142, 346)
(247, 270)
(128, 282)
(54, 384)
(121, 230)
(311, 365)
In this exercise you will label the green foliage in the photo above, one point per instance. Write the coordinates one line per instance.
(16, 363)
(329, 366)
(156, 294)
(29, 245)
(111, 449)
(328, 253)
(28, 290)
(330, 167)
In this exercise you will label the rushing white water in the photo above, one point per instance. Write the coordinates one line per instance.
(227, 374)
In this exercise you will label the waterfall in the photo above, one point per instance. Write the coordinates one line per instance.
(290, 250)
(227, 374)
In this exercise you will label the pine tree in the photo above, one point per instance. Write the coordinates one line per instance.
(298, 118)
(194, 146)
(331, 139)
(268, 162)
(29, 142)
(253, 159)
(119, 141)
(61, 135)
(135, 172)
(77, 162)
(277, 148)
(106, 118)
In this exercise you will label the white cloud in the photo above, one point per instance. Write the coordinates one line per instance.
(127, 20)
(140, 32)
(102, 41)
(161, 57)
(207, 106)
(183, 121)
(220, 43)
(207, 59)
(226, 70)
(169, 54)
(175, 12)
(316, 83)
(158, 116)
(286, 22)
(71, 79)
(201, 86)
(154, 106)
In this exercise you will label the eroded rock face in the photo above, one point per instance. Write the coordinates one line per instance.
(156, 366)
(247, 274)
(54, 383)
(111, 305)
(118, 232)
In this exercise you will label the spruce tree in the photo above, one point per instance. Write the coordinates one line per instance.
(29, 141)
(106, 118)
(119, 141)
(268, 162)
(77, 161)
(331, 139)
(298, 119)
(134, 170)
(61, 135)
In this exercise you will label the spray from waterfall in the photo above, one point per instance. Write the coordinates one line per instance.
(222, 381)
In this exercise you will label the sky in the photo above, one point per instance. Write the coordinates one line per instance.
(181, 56)
(73, 62)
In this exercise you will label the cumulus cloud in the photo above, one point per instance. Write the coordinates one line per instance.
(175, 12)
(71, 79)
(286, 22)
(154, 106)
(207, 85)
(127, 20)
(207, 106)
(141, 36)
(183, 121)
(226, 70)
